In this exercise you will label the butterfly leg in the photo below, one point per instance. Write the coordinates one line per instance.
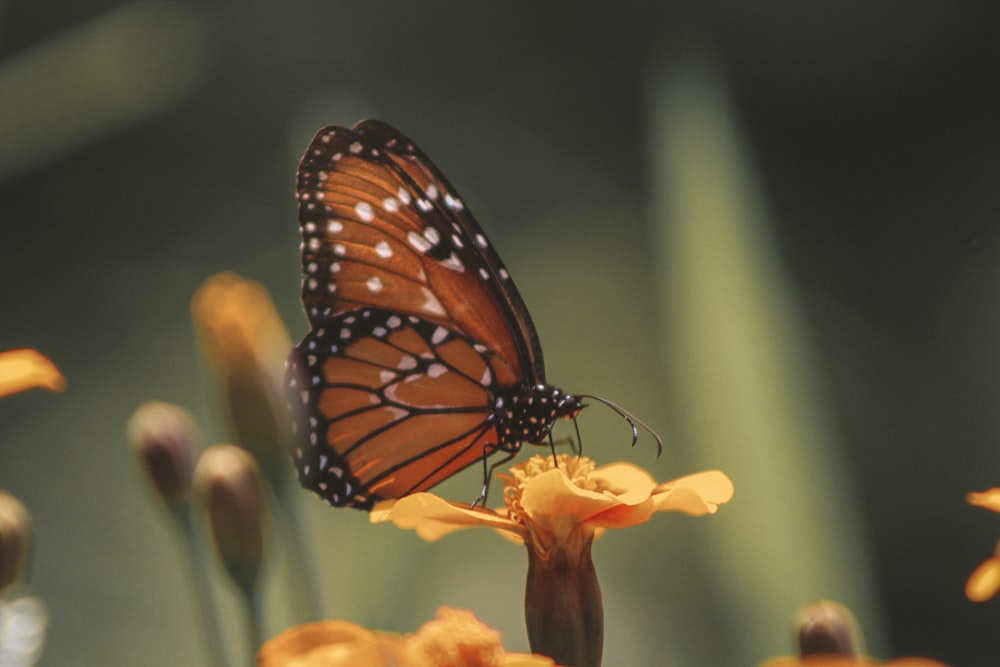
(488, 476)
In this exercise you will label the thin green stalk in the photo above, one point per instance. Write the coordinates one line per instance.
(254, 612)
(198, 560)
(302, 573)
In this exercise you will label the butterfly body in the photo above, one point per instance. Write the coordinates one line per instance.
(422, 358)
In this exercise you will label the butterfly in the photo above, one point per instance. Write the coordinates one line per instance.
(421, 359)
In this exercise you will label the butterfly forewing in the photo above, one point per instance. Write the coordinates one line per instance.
(439, 191)
(380, 228)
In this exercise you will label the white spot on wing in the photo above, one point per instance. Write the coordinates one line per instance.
(454, 203)
(453, 262)
(403, 195)
(335, 227)
(339, 249)
(390, 204)
(431, 234)
(487, 377)
(383, 250)
(374, 284)
(436, 370)
(364, 211)
(432, 192)
(356, 147)
(439, 335)
(418, 242)
(481, 241)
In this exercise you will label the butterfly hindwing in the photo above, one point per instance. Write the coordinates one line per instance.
(382, 391)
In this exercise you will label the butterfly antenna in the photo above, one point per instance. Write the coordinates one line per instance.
(632, 422)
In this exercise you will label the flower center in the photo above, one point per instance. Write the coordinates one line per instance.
(576, 468)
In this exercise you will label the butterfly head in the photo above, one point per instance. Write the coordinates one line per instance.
(527, 414)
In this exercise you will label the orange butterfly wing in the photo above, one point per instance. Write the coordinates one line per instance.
(420, 342)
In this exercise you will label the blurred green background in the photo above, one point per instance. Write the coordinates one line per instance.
(769, 229)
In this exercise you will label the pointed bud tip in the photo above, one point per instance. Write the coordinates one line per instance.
(228, 486)
(15, 538)
(827, 628)
(166, 440)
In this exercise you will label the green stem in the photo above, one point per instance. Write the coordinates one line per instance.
(302, 573)
(255, 614)
(198, 560)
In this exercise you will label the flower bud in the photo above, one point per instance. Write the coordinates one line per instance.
(827, 628)
(246, 343)
(228, 486)
(165, 438)
(15, 536)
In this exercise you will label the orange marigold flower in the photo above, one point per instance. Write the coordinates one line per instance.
(21, 370)
(984, 582)
(455, 638)
(557, 509)
(549, 506)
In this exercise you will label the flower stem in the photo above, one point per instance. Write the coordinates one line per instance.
(304, 582)
(563, 608)
(198, 560)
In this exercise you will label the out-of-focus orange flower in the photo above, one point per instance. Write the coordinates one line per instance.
(557, 509)
(455, 638)
(984, 582)
(21, 370)
(246, 342)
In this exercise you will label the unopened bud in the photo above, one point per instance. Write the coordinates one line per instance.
(246, 343)
(166, 440)
(15, 536)
(228, 486)
(827, 628)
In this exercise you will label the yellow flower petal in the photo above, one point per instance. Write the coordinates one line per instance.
(631, 484)
(25, 369)
(984, 582)
(434, 517)
(989, 499)
(697, 494)
(331, 644)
